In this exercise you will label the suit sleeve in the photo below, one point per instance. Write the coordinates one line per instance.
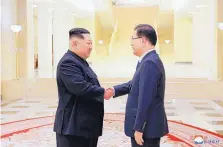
(72, 77)
(122, 89)
(149, 76)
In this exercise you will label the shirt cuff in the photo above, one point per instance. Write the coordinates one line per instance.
(114, 91)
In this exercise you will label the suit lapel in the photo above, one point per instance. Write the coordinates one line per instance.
(137, 65)
(96, 78)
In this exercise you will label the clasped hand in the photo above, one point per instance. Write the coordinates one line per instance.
(109, 92)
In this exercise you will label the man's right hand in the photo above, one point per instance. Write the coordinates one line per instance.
(109, 93)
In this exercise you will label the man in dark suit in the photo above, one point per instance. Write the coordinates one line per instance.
(79, 116)
(145, 118)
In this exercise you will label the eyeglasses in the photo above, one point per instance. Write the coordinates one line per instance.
(133, 38)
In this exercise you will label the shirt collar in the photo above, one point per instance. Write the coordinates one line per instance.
(141, 57)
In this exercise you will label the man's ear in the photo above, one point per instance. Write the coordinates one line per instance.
(74, 42)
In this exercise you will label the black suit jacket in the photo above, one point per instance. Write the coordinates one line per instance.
(80, 110)
(145, 105)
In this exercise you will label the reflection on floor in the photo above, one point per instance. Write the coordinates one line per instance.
(26, 122)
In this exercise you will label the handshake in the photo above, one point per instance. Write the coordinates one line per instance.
(109, 92)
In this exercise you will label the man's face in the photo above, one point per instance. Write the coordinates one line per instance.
(84, 46)
(136, 43)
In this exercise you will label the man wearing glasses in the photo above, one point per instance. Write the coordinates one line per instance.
(145, 118)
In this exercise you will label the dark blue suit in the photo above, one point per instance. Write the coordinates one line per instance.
(81, 101)
(145, 105)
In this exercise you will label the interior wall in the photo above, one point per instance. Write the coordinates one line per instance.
(181, 88)
(8, 40)
(35, 19)
(166, 49)
(14, 48)
(183, 39)
(0, 50)
(101, 49)
(201, 46)
(122, 52)
(126, 26)
(104, 35)
(220, 53)
(22, 39)
(220, 40)
(166, 52)
(121, 55)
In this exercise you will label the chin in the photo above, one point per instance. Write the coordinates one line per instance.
(134, 52)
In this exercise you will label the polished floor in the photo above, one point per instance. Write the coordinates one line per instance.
(28, 122)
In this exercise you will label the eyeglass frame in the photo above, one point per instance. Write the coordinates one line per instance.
(136, 38)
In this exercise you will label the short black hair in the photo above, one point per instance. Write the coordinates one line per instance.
(78, 32)
(146, 30)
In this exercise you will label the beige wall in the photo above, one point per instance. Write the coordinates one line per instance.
(166, 50)
(220, 41)
(102, 34)
(0, 50)
(183, 39)
(8, 44)
(22, 39)
(8, 40)
(126, 25)
(36, 35)
(178, 88)
(14, 64)
(220, 54)
(13, 46)
(14, 14)
(98, 33)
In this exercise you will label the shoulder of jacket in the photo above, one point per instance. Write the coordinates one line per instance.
(149, 60)
(68, 59)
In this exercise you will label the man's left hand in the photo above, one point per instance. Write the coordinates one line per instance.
(138, 138)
